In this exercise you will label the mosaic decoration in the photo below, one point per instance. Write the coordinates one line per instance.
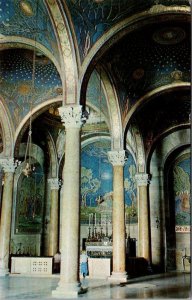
(181, 177)
(92, 18)
(30, 199)
(29, 19)
(97, 180)
(137, 74)
(16, 81)
(95, 94)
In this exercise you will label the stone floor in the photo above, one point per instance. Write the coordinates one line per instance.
(162, 286)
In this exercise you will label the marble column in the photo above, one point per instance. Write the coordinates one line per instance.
(117, 159)
(5, 224)
(54, 216)
(143, 216)
(69, 285)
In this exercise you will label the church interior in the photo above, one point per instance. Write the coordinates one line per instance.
(95, 103)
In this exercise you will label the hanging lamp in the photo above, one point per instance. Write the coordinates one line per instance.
(100, 197)
(28, 166)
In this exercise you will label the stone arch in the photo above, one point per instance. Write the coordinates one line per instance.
(129, 24)
(67, 53)
(36, 111)
(151, 95)
(114, 111)
(53, 157)
(156, 164)
(7, 131)
(8, 42)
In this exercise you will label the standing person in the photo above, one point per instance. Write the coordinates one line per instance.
(84, 263)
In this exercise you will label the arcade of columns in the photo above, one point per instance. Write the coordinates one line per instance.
(69, 285)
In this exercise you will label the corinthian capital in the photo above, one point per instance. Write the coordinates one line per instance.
(8, 164)
(54, 183)
(117, 158)
(142, 179)
(72, 116)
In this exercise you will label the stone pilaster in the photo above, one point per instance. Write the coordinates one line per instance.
(143, 216)
(69, 286)
(117, 159)
(5, 225)
(54, 215)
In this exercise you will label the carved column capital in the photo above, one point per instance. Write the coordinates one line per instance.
(142, 179)
(54, 183)
(117, 158)
(72, 116)
(9, 165)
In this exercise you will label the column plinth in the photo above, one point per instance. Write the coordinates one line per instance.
(117, 158)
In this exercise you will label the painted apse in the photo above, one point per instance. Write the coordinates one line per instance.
(97, 185)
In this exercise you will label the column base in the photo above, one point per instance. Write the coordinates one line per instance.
(119, 277)
(68, 290)
(4, 272)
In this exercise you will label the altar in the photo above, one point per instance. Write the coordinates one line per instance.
(99, 259)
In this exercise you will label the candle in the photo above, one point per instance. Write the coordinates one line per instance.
(95, 219)
(89, 220)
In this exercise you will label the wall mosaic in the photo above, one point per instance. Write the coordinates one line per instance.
(181, 177)
(16, 81)
(92, 18)
(30, 202)
(30, 19)
(97, 183)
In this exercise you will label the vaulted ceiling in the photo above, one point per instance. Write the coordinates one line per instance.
(147, 61)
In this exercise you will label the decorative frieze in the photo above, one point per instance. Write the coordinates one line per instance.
(54, 183)
(142, 179)
(117, 158)
(9, 165)
(72, 116)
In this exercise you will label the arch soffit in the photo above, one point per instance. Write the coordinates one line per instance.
(36, 111)
(128, 25)
(114, 111)
(7, 130)
(151, 95)
(67, 53)
(140, 152)
(8, 42)
(167, 145)
(53, 156)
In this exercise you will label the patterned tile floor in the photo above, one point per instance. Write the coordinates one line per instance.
(160, 286)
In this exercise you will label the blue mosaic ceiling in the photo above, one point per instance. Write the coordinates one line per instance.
(16, 81)
(148, 59)
(29, 19)
(92, 18)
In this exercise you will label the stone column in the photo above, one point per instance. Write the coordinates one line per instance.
(54, 216)
(143, 217)
(117, 159)
(69, 286)
(5, 224)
